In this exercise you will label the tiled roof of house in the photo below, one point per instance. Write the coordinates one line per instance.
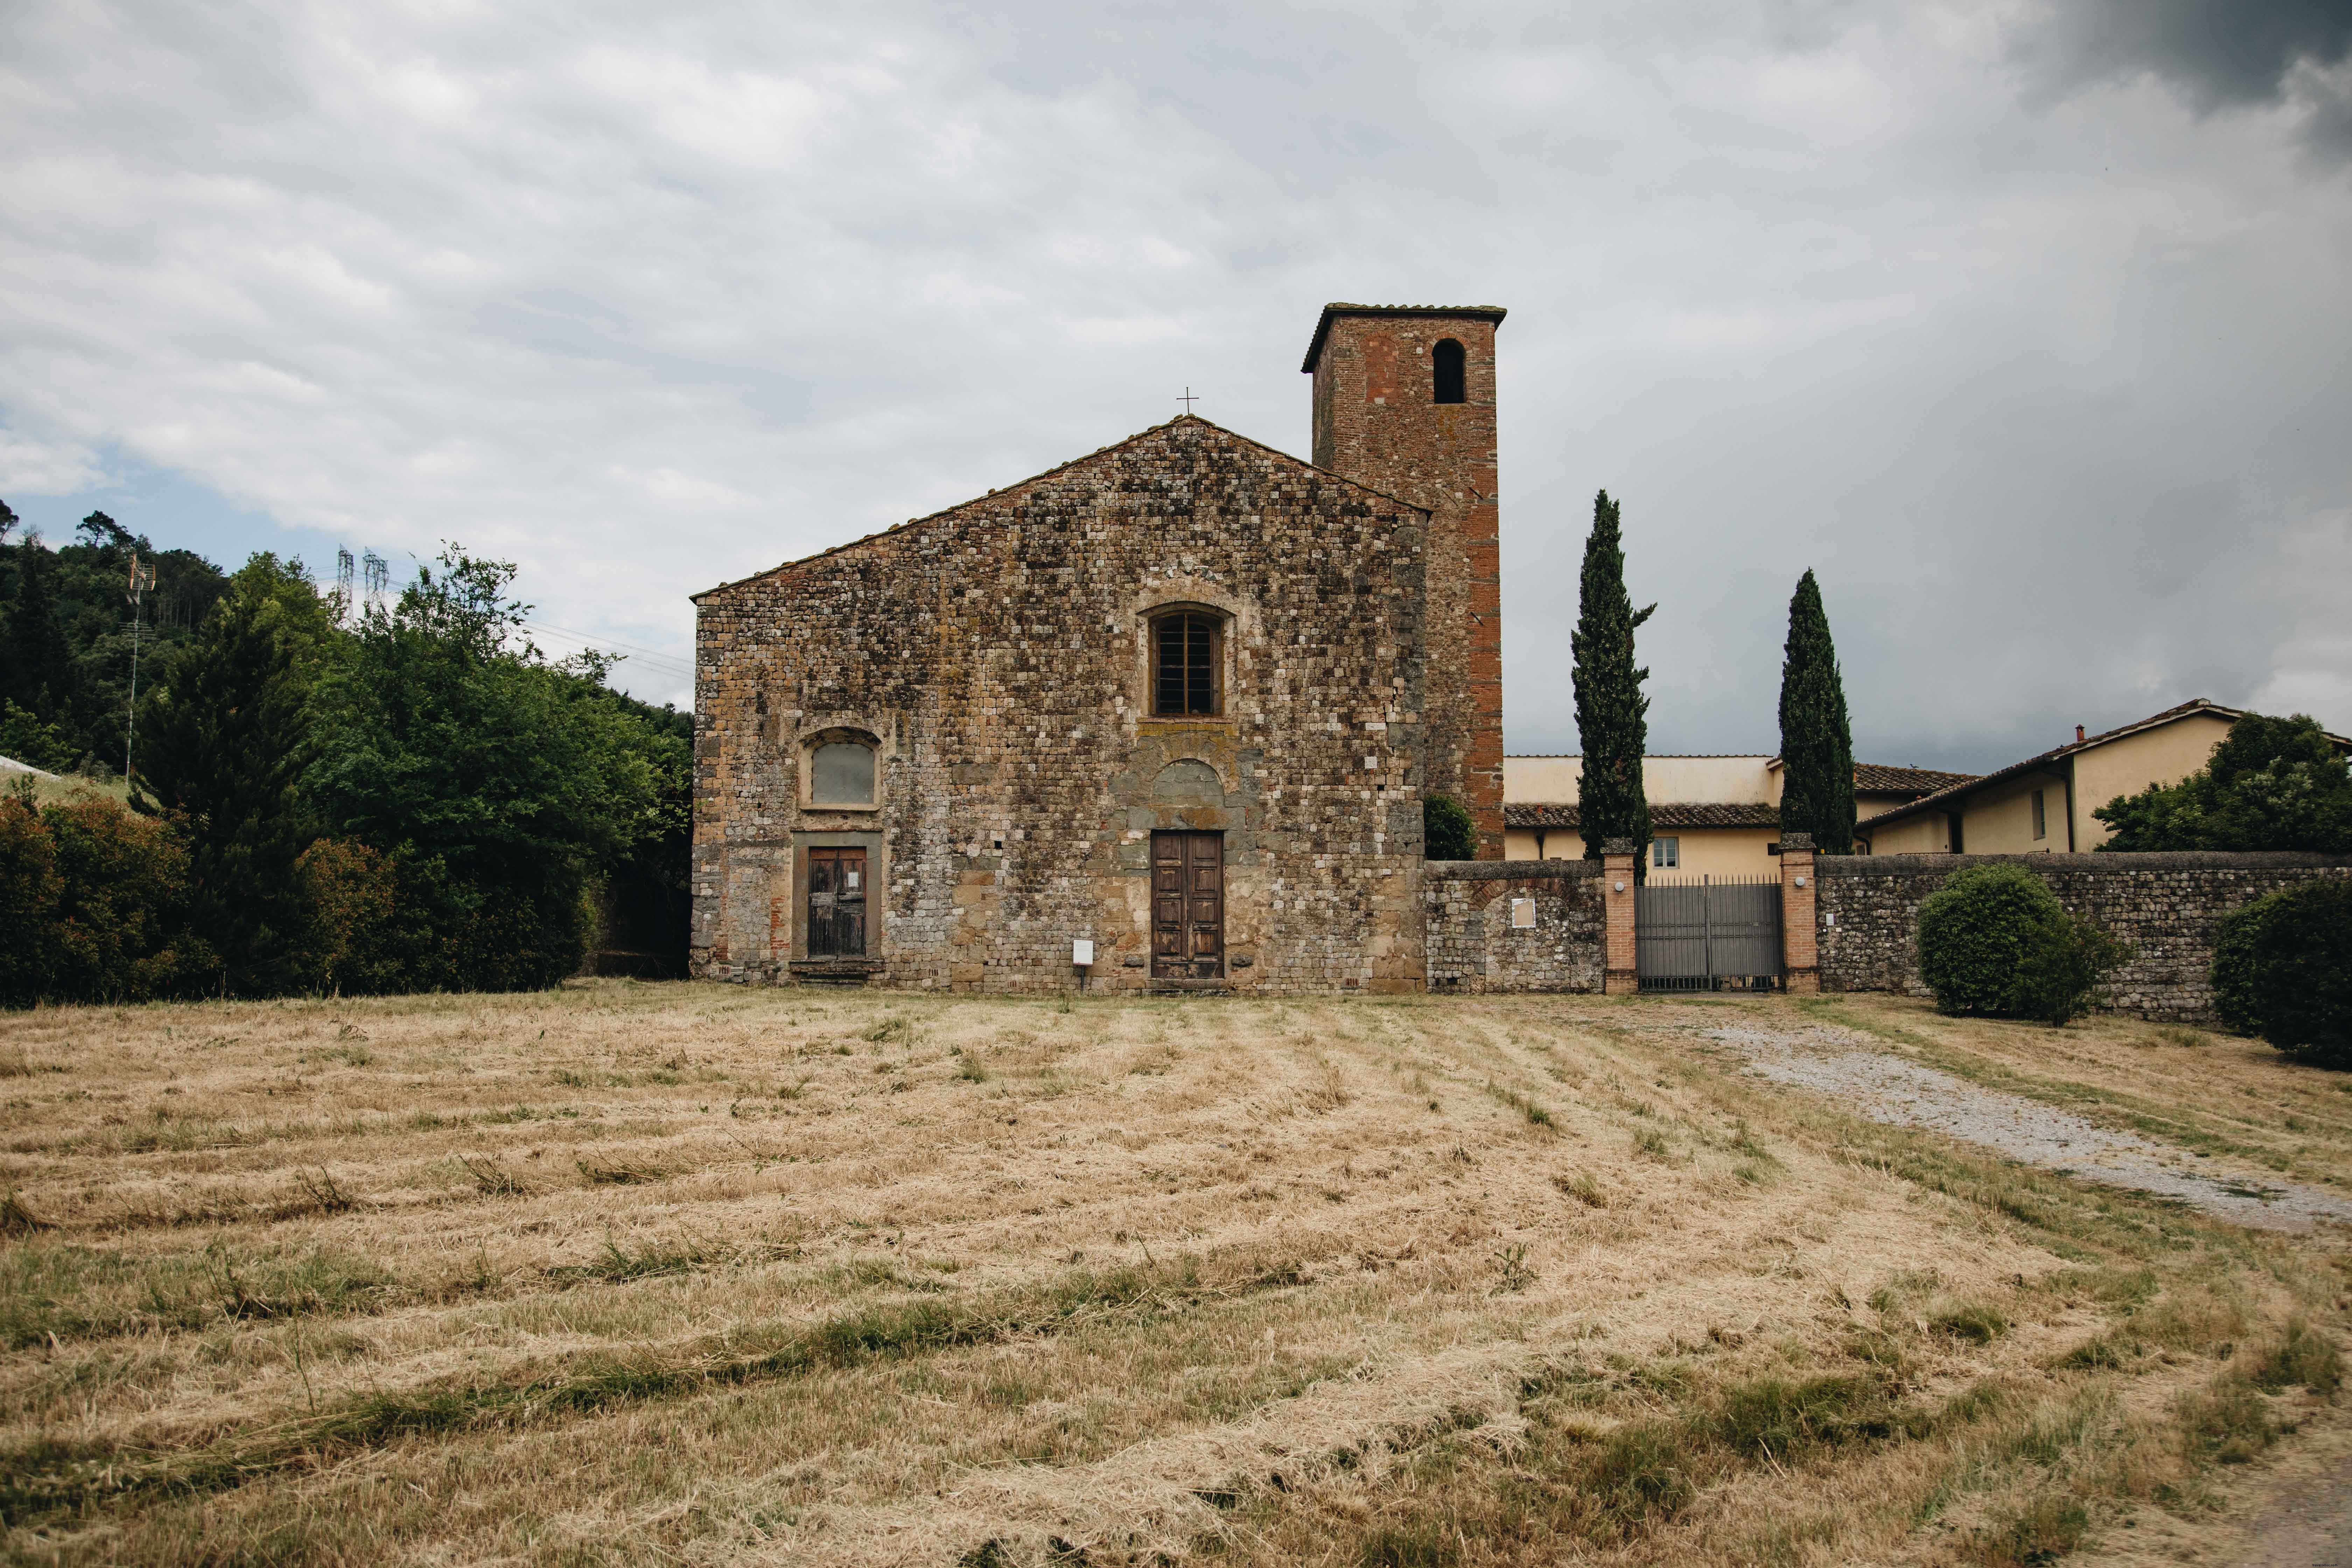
(1869, 778)
(1878, 778)
(1945, 796)
(1665, 813)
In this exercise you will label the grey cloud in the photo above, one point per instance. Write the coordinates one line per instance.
(2219, 51)
(650, 297)
(2219, 54)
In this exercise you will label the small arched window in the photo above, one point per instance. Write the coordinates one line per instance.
(841, 772)
(1445, 363)
(1184, 665)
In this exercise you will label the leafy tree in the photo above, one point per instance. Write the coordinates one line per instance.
(27, 740)
(40, 671)
(102, 532)
(2271, 784)
(85, 695)
(1816, 743)
(349, 893)
(649, 890)
(1611, 723)
(1447, 831)
(8, 521)
(118, 924)
(221, 750)
(498, 786)
(29, 887)
(2283, 970)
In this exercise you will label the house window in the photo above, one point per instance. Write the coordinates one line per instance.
(1665, 852)
(2040, 823)
(841, 772)
(1184, 666)
(1445, 367)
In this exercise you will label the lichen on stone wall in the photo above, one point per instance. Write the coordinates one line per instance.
(998, 655)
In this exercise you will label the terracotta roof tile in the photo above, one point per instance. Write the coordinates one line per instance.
(1878, 778)
(1664, 814)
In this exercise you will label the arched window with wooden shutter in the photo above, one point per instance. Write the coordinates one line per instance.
(1186, 664)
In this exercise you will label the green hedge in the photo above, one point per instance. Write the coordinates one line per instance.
(2282, 971)
(1994, 941)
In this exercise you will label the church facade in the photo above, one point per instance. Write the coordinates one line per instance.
(1172, 708)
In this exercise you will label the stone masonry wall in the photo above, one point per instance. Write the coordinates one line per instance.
(1473, 946)
(1377, 422)
(2169, 906)
(998, 655)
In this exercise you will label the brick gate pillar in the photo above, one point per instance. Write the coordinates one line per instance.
(1619, 978)
(1800, 939)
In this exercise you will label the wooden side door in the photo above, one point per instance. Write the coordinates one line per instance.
(836, 903)
(1188, 905)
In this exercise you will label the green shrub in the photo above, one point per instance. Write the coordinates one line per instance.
(1446, 830)
(2282, 971)
(1994, 940)
(2060, 973)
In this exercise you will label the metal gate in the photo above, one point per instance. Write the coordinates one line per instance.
(1707, 934)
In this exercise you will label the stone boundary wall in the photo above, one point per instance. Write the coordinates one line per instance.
(2169, 906)
(1473, 947)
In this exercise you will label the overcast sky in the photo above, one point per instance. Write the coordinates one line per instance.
(2029, 330)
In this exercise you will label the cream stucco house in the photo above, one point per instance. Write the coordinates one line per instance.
(1717, 815)
(2043, 804)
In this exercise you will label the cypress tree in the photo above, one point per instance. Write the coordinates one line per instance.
(1816, 743)
(1611, 714)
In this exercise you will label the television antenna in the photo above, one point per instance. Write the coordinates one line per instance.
(142, 582)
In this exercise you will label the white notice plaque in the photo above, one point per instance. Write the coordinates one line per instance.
(1082, 953)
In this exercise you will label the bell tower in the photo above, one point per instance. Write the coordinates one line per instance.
(1404, 402)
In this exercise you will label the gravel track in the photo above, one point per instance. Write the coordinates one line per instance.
(1862, 1076)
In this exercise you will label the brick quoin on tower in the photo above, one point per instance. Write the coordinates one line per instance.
(1380, 372)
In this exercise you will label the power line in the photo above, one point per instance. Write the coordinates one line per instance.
(657, 662)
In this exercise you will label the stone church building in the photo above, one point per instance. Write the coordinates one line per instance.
(1172, 706)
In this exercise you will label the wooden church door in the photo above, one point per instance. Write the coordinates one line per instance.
(836, 903)
(1188, 905)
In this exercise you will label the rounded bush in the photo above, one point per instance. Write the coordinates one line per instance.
(1446, 830)
(1994, 940)
(1976, 931)
(2282, 971)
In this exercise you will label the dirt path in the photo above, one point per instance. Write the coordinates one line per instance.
(1859, 1073)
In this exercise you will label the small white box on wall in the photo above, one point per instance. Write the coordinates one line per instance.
(1523, 914)
(1082, 953)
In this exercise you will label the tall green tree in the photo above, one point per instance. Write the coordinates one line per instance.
(1611, 714)
(2271, 784)
(40, 671)
(498, 787)
(1816, 743)
(221, 749)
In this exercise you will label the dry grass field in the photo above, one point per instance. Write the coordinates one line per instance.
(696, 1274)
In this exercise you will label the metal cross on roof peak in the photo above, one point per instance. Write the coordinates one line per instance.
(1188, 400)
